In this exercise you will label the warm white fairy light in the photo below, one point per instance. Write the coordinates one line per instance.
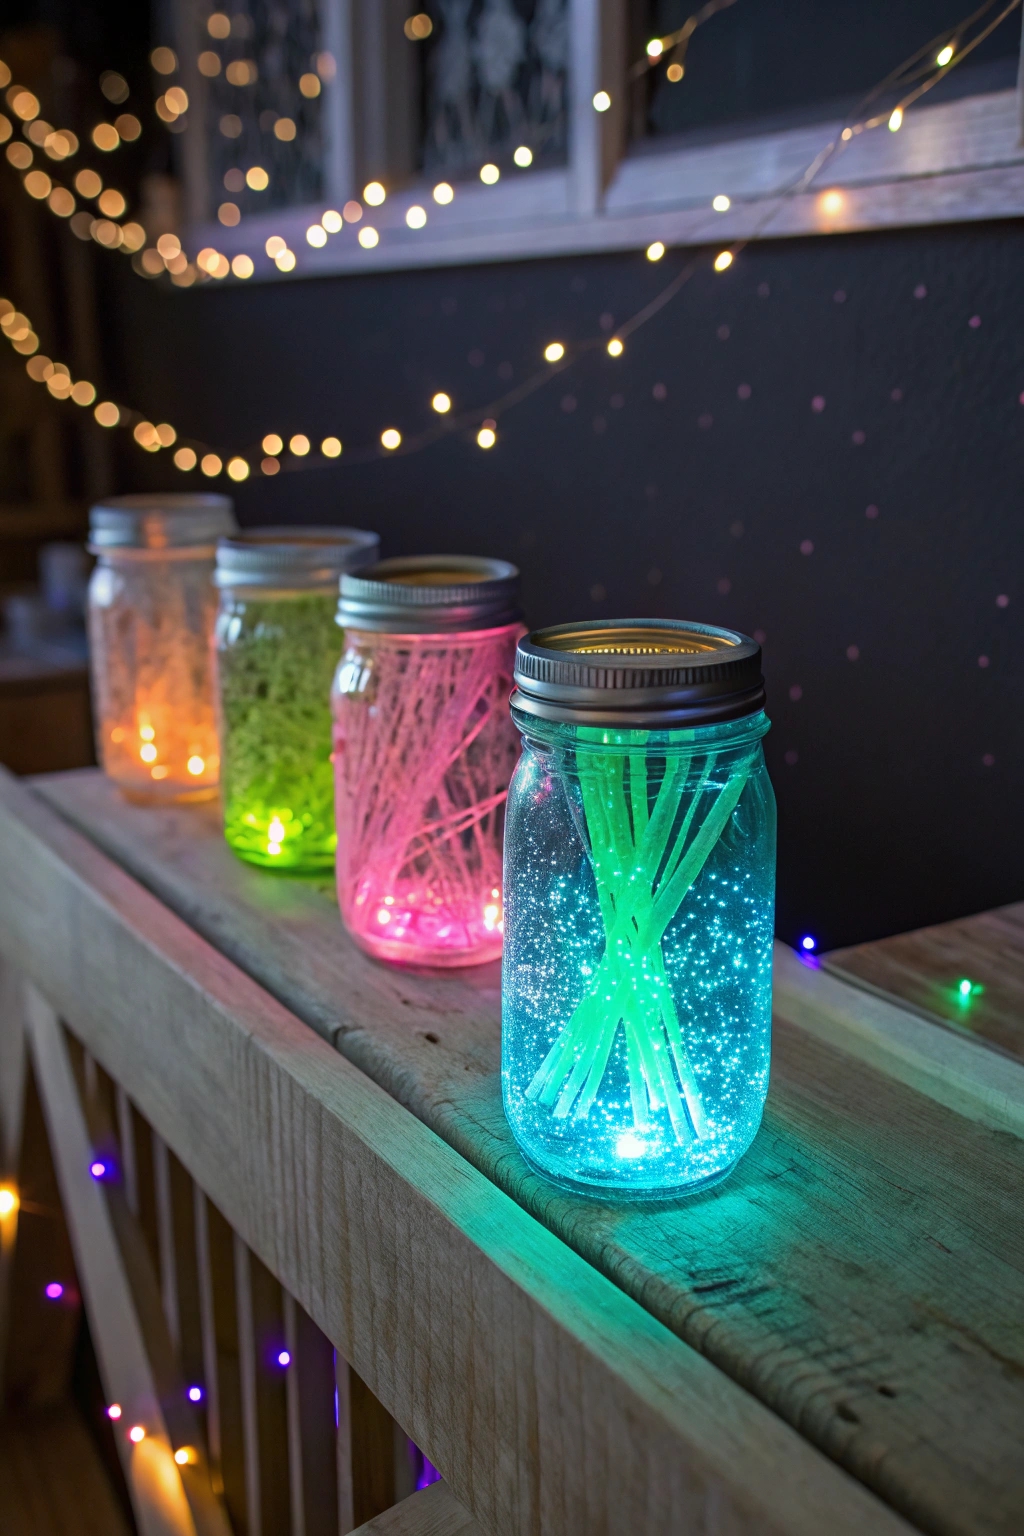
(9, 1201)
(299, 445)
(655, 48)
(489, 174)
(136, 1434)
(442, 403)
(273, 444)
(184, 1455)
(167, 254)
(316, 235)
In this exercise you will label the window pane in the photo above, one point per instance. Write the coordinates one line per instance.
(801, 61)
(493, 81)
(264, 84)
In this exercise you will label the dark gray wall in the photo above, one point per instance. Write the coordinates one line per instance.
(898, 773)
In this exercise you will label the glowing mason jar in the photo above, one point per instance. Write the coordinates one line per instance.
(639, 905)
(276, 649)
(423, 752)
(151, 611)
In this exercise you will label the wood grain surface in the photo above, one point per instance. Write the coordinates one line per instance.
(923, 970)
(552, 1402)
(861, 1273)
(433, 1512)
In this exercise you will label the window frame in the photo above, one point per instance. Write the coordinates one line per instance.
(960, 161)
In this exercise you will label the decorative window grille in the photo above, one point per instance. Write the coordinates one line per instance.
(271, 46)
(494, 77)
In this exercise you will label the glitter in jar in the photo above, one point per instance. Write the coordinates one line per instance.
(639, 904)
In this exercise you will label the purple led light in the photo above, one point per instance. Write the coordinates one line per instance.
(195, 1394)
(54, 1291)
(807, 942)
(284, 1359)
(97, 1169)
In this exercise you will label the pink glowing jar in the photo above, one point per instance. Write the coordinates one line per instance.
(423, 753)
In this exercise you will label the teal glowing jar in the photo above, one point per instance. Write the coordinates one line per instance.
(639, 894)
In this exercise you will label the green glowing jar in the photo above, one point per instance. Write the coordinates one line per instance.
(276, 649)
(639, 890)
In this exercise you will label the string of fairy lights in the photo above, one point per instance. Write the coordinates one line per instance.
(912, 79)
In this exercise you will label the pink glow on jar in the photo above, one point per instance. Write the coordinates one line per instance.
(423, 754)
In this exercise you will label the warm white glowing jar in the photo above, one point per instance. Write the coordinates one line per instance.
(152, 606)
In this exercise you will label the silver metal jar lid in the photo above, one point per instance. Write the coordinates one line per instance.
(175, 521)
(648, 674)
(302, 558)
(430, 594)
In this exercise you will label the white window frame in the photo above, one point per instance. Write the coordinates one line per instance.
(960, 161)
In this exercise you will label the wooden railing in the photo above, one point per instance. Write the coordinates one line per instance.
(310, 1156)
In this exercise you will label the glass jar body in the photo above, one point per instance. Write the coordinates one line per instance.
(639, 911)
(423, 752)
(151, 615)
(276, 652)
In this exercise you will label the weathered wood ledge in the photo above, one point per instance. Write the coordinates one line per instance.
(860, 1274)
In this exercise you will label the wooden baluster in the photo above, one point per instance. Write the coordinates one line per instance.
(346, 1481)
(221, 1268)
(165, 1238)
(126, 1144)
(247, 1377)
(311, 1425)
(209, 1379)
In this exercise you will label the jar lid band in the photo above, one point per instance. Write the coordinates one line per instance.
(430, 594)
(174, 521)
(648, 674)
(303, 558)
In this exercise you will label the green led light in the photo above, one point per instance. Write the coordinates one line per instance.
(964, 988)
